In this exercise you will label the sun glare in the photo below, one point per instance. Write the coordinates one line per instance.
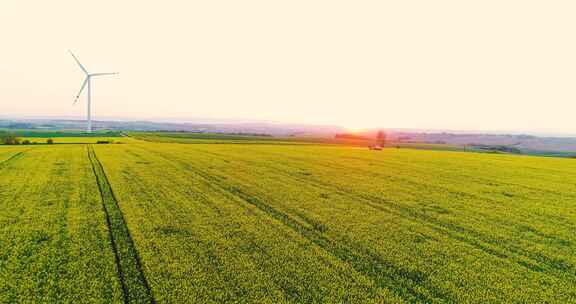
(355, 130)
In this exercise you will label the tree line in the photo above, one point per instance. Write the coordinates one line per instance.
(12, 139)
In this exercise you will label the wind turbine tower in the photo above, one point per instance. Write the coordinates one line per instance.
(87, 84)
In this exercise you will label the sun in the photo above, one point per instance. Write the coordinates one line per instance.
(355, 130)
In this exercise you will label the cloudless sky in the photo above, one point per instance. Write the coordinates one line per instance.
(481, 65)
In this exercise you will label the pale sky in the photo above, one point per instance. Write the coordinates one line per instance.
(479, 65)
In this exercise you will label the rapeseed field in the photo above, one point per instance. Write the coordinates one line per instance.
(268, 223)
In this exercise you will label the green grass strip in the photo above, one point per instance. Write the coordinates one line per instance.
(134, 284)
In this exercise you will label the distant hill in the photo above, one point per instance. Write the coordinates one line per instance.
(273, 129)
(522, 143)
(525, 143)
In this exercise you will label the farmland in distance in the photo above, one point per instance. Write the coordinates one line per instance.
(170, 222)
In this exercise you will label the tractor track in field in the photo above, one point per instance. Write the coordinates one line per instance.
(382, 272)
(135, 287)
(385, 274)
(472, 238)
(537, 262)
(11, 158)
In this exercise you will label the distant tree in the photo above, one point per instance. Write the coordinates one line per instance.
(26, 142)
(49, 141)
(381, 138)
(9, 139)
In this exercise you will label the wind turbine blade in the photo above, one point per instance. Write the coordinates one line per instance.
(78, 62)
(81, 89)
(102, 74)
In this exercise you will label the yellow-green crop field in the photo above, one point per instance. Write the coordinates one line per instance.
(78, 140)
(146, 222)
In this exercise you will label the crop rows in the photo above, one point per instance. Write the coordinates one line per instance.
(170, 223)
(53, 237)
(134, 285)
(10, 154)
(214, 248)
(416, 226)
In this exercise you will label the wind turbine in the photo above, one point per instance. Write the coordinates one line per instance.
(87, 83)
